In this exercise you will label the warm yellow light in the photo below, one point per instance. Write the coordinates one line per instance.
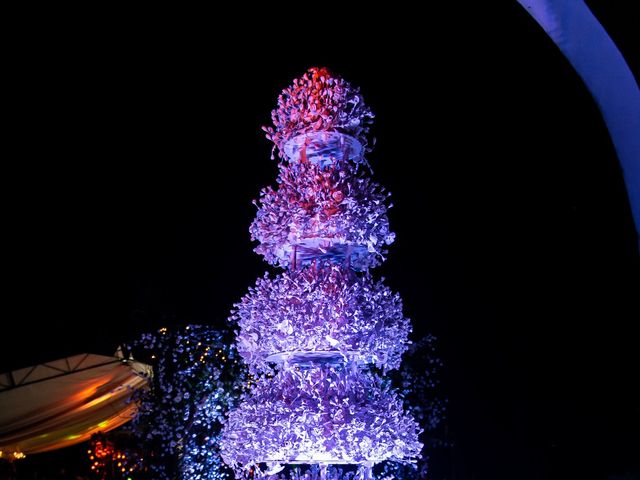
(12, 455)
(96, 401)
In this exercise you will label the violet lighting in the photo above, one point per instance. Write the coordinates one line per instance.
(316, 335)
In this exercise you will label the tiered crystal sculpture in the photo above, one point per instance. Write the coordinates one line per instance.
(316, 335)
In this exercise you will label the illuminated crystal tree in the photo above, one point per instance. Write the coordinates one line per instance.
(319, 336)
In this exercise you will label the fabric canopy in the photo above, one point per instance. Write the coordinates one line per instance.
(64, 402)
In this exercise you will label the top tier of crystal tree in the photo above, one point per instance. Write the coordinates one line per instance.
(326, 224)
(324, 207)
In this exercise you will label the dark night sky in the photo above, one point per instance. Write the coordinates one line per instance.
(129, 199)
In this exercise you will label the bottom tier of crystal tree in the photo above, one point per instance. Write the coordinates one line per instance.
(320, 414)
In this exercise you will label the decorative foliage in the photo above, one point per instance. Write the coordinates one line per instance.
(334, 414)
(197, 378)
(319, 101)
(403, 471)
(417, 380)
(201, 455)
(327, 309)
(316, 209)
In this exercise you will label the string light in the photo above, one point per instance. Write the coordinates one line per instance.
(180, 416)
(109, 461)
(12, 455)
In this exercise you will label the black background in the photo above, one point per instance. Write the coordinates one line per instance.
(136, 151)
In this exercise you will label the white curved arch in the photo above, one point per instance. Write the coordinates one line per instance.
(592, 53)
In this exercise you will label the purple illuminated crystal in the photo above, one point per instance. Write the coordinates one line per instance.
(331, 309)
(329, 414)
